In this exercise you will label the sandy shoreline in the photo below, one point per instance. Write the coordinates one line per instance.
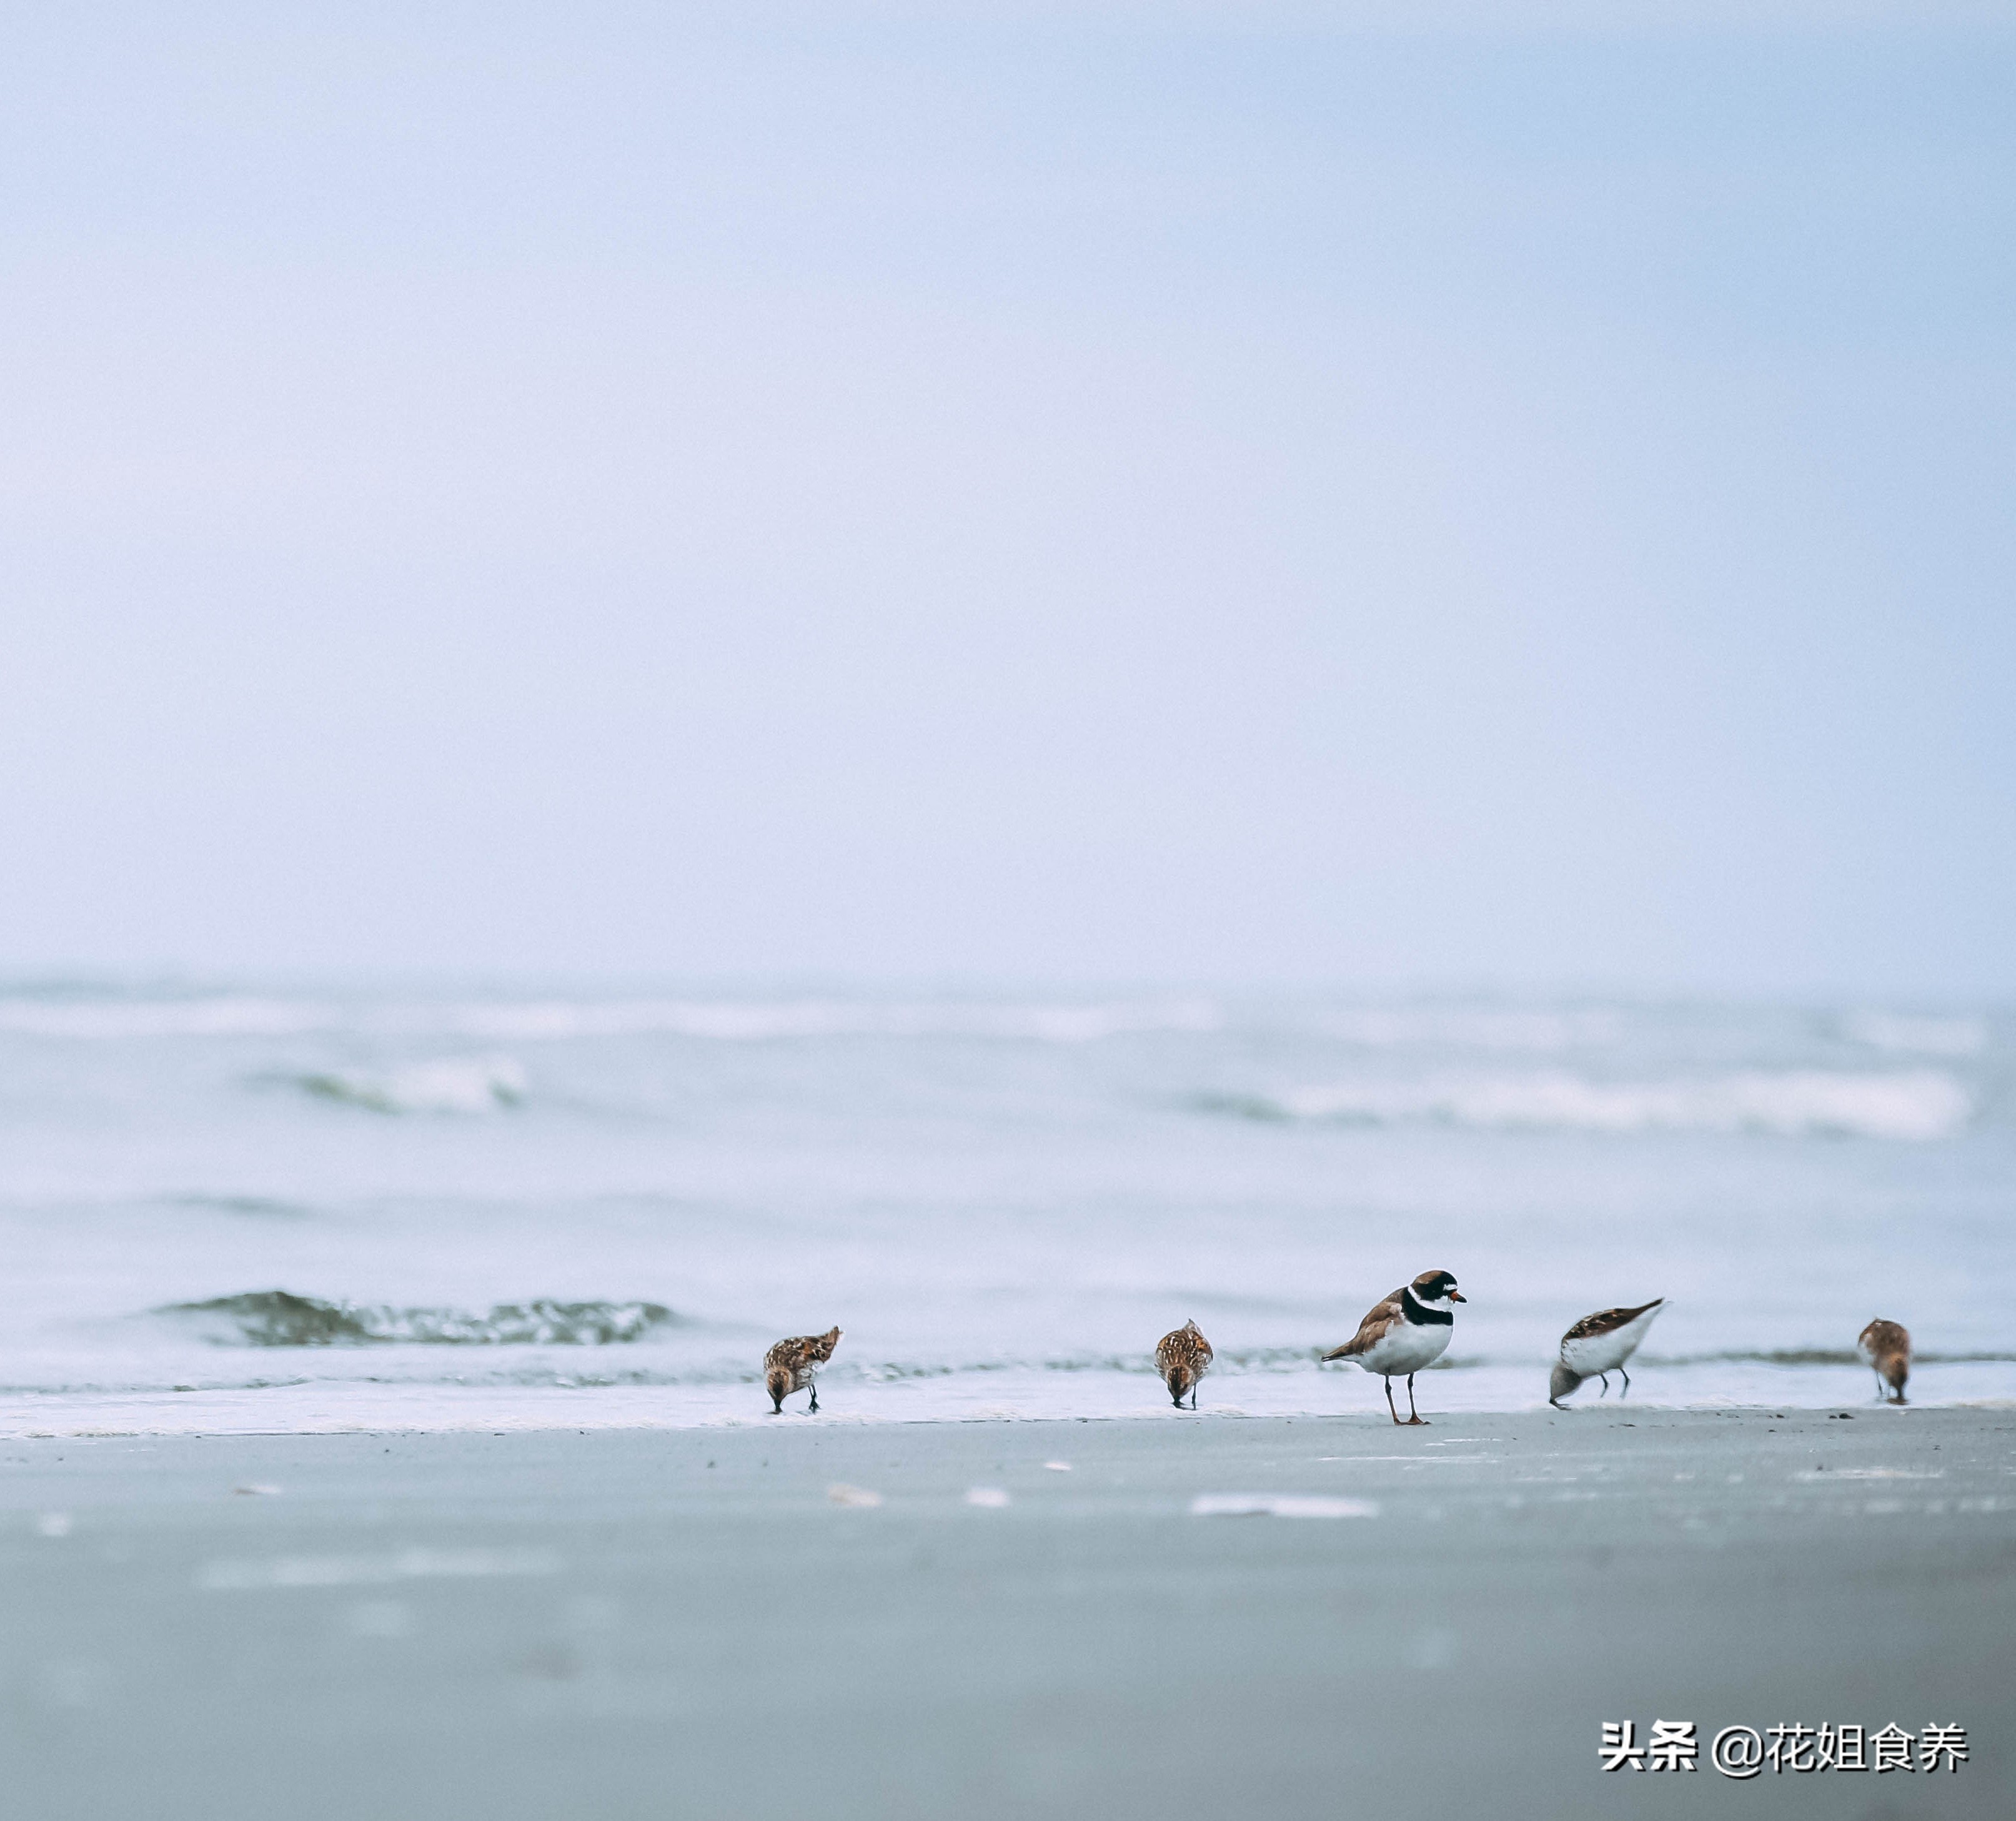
(685, 1622)
(337, 1406)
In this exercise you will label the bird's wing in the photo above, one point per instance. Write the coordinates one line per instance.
(1376, 1324)
(1608, 1321)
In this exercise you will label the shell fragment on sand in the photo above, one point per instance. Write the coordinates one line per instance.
(415, 1564)
(1279, 1504)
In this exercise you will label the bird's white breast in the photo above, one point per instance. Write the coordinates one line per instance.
(1598, 1353)
(1406, 1346)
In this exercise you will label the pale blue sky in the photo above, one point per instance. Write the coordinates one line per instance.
(1233, 494)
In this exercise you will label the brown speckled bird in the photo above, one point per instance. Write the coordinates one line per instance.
(791, 1365)
(1183, 1357)
(1886, 1346)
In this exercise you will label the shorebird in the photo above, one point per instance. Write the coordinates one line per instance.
(1598, 1345)
(1405, 1332)
(1886, 1347)
(791, 1366)
(1183, 1357)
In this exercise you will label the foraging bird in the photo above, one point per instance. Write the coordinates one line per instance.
(1598, 1345)
(1407, 1331)
(791, 1366)
(1886, 1349)
(1183, 1357)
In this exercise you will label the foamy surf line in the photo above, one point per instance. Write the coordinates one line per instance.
(1916, 1106)
(355, 1407)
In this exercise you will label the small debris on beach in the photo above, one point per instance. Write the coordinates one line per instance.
(410, 1564)
(1278, 1505)
(856, 1498)
(987, 1498)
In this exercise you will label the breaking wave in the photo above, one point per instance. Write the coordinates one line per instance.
(278, 1318)
(257, 1206)
(1917, 1106)
(475, 1085)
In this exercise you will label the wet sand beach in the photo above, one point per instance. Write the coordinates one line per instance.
(690, 1623)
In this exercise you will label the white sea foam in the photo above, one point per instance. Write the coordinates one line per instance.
(1411, 1027)
(1919, 1105)
(454, 1084)
(1917, 1035)
(381, 1405)
(530, 1021)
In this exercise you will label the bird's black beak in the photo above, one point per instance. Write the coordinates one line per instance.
(1457, 1296)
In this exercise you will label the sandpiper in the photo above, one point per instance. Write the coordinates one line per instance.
(1183, 1357)
(791, 1365)
(1598, 1345)
(1407, 1331)
(1886, 1347)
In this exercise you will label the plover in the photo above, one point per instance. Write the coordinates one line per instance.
(791, 1366)
(1183, 1357)
(1598, 1345)
(1886, 1346)
(1407, 1331)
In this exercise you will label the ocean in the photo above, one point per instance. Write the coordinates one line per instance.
(235, 1207)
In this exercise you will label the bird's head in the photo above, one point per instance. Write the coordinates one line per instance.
(1436, 1289)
